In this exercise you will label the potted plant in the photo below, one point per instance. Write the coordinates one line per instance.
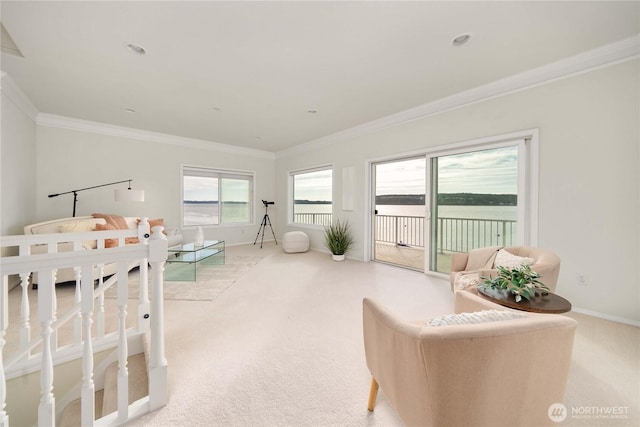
(520, 281)
(338, 239)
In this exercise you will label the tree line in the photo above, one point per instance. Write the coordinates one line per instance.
(459, 199)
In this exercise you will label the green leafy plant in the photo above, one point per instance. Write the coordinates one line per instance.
(520, 281)
(338, 238)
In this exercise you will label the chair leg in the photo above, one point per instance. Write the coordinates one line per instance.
(373, 393)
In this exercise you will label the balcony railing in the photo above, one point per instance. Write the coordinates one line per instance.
(401, 230)
(464, 234)
(316, 218)
(453, 234)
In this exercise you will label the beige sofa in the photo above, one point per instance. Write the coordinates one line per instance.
(79, 225)
(498, 373)
(481, 263)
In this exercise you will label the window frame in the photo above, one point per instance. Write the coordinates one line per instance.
(220, 174)
(521, 236)
(291, 194)
(528, 187)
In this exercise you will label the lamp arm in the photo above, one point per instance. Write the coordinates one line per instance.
(75, 192)
(89, 188)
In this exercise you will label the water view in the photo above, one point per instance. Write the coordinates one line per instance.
(208, 213)
(474, 212)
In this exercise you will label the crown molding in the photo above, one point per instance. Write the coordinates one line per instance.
(17, 96)
(71, 123)
(615, 53)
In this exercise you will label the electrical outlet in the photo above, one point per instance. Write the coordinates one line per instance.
(581, 279)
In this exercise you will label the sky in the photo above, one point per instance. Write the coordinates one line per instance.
(206, 189)
(313, 186)
(492, 171)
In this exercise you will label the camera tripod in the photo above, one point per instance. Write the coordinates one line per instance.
(265, 220)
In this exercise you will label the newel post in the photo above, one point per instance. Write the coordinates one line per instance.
(158, 383)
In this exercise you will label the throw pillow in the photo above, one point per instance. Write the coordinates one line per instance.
(119, 223)
(483, 316)
(464, 280)
(108, 243)
(67, 228)
(509, 260)
(79, 227)
(116, 220)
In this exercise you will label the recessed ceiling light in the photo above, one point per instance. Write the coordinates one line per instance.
(216, 108)
(136, 48)
(460, 40)
(312, 111)
(130, 110)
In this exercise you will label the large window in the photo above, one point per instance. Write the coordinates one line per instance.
(474, 201)
(312, 191)
(453, 199)
(215, 197)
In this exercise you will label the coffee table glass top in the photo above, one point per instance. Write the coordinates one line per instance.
(182, 259)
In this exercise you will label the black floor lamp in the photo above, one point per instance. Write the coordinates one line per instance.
(121, 195)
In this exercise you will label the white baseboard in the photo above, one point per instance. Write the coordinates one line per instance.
(607, 316)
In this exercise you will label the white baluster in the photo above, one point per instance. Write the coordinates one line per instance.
(144, 305)
(54, 315)
(77, 323)
(123, 350)
(100, 319)
(87, 398)
(158, 386)
(143, 299)
(25, 313)
(52, 249)
(46, 408)
(4, 324)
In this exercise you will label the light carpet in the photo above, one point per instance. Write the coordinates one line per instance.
(283, 347)
(212, 280)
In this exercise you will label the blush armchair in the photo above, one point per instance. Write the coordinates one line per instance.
(480, 262)
(500, 373)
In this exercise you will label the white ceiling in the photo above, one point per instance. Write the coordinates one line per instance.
(246, 73)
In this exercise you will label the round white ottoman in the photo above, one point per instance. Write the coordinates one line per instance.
(295, 241)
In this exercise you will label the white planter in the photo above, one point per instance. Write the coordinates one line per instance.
(338, 257)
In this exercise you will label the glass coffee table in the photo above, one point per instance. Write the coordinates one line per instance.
(182, 260)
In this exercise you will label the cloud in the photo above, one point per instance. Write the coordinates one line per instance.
(313, 185)
(493, 171)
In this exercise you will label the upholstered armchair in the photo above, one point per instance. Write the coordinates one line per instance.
(481, 263)
(499, 373)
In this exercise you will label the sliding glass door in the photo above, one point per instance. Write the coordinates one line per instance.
(398, 220)
(429, 207)
(474, 202)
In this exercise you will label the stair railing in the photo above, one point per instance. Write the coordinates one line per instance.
(151, 251)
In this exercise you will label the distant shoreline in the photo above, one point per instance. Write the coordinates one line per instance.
(451, 199)
(445, 199)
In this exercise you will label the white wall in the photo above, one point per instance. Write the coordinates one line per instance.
(72, 159)
(18, 152)
(589, 197)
